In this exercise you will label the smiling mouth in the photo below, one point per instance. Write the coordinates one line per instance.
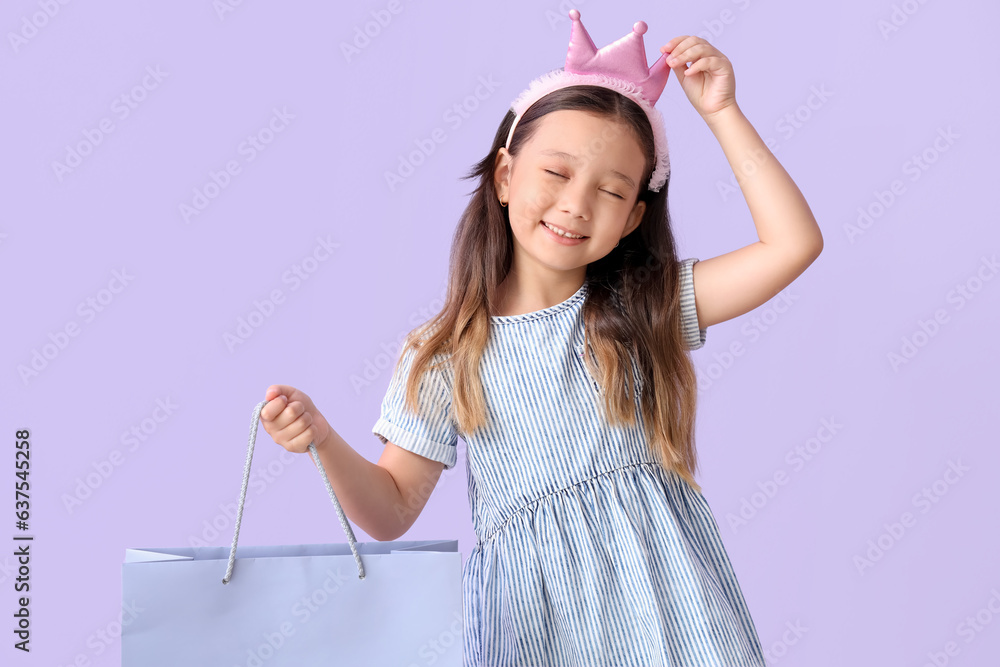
(562, 232)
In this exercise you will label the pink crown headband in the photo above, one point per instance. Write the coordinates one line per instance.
(620, 66)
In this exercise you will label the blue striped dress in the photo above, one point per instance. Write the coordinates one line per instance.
(588, 551)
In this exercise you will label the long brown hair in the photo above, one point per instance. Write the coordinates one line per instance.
(631, 313)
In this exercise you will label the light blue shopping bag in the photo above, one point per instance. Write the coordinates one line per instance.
(397, 604)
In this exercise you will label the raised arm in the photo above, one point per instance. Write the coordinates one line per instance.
(736, 282)
(739, 281)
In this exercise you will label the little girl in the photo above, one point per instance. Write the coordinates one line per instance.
(562, 359)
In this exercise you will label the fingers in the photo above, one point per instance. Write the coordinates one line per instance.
(276, 404)
(685, 54)
(299, 443)
(296, 436)
(278, 397)
(705, 64)
(686, 48)
(292, 428)
(282, 413)
(672, 44)
(288, 419)
(674, 47)
(276, 390)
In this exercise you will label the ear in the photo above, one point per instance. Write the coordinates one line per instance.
(634, 218)
(501, 173)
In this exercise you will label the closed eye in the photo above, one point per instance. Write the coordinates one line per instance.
(549, 171)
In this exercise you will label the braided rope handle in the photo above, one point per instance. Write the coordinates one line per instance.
(243, 494)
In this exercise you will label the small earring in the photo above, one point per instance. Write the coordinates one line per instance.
(619, 241)
(503, 204)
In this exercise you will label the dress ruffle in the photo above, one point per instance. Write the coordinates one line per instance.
(636, 541)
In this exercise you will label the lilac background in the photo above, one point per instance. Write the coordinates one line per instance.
(823, 357)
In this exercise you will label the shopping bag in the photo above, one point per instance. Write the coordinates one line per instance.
(396, 604)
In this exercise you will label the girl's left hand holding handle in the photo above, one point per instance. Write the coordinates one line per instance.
(709, 82)
(292, 420)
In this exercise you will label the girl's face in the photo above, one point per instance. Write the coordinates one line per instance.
(579, 173)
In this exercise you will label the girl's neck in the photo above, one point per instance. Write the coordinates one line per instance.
(519, 294)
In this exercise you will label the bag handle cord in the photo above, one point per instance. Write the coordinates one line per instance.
(243, 494)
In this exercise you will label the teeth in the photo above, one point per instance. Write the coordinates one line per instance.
(561, 232)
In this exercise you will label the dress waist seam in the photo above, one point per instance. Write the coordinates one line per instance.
(520, 509)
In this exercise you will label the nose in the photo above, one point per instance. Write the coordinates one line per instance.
(575, 199)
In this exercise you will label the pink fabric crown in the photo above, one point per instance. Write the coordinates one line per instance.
(620, 66)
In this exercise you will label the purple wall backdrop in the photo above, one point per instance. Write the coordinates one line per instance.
(849, 451)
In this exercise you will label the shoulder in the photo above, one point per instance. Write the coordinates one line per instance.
(439, 364)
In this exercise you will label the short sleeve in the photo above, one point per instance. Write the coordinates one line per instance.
(430, 432)
(693, 336)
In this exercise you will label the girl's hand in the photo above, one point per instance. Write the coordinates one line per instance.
(709, 82)
(291, 419)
